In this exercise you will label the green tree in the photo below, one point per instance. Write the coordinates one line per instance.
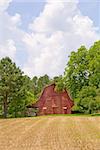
(35, 85)
(58, 80)
(88, 101)
(10, 76)
(39, 83)
(22, 98)
(42, 82)
(14, 88)
(76, 72)
(94, 64)
(82, 76)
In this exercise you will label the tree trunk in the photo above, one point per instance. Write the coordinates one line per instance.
(15, 114)
(90, 111)
(5, 107)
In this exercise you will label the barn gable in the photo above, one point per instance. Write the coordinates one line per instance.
(53, 102)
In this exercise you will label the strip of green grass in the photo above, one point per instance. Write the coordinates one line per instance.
(95, 114)
(82, 115)
(65, 115)
(68, 115)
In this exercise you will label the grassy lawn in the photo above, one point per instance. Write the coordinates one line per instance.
(71, 115)
(55, 132)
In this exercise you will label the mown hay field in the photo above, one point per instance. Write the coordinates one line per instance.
(50, 133)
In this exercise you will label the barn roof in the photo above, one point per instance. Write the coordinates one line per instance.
(61, 92)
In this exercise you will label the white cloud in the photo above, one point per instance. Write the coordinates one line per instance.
(58, 30)
(55, 16)
(4, 5)
(16, 20)
(8, 49)
(10, 33)
(7, 46)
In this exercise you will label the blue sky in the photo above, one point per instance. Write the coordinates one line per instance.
(38, 34)
(28, 11)
(92, 9)
(32, 8)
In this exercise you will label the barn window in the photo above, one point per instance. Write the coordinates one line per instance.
(65, 110)
(64, 107)
(44, 108)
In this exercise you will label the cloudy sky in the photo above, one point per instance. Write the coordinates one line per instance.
(40, 35)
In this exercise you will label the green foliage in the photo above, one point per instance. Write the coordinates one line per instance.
(14, 88)
(39, 83)
(76, 73)
(94, 64)
(17, 91)
(88, 102)
(82, 78)
(59, 83)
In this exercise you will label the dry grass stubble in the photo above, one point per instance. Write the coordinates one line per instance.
(50, 133)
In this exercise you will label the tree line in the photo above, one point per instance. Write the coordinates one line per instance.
(81, 78)
(17, 91)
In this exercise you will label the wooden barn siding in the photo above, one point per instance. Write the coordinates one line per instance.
(59, 101)
(50, 96)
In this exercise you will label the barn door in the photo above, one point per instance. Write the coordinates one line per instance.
(54, 110)
(54, 106)
(65, 110)
(44, 110)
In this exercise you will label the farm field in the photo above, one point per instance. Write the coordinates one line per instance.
(50, 133)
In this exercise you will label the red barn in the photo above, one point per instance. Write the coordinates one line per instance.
(52, 102)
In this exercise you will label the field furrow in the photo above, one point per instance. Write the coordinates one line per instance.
(50, 133)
